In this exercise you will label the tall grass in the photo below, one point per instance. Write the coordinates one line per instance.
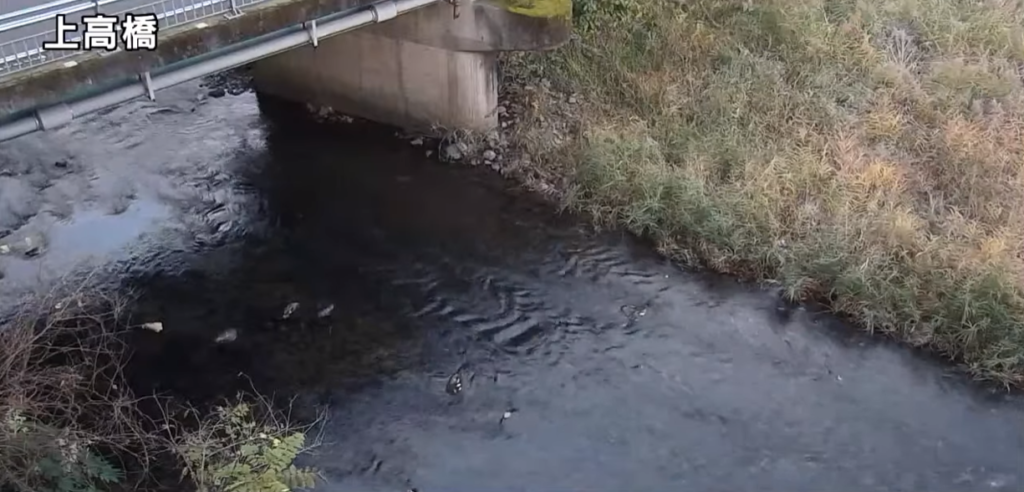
(868, 153)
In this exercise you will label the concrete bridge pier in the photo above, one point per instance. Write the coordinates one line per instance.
(422, 70)
(387, 80)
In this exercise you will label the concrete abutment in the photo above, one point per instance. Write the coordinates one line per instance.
(421, 70)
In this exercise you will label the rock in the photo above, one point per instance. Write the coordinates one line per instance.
(30, 245)
(490, 155)
(218, 92)
(325, 312)
(62, 164)
(501, 111)
(454, 384)
(227, 336)
(507, 415)
(289, 310)
(573, 100)
(453, 152)
(417, 142)
(155, 326)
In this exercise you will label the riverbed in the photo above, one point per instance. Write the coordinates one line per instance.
(584, 361)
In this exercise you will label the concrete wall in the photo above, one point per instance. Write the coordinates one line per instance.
(388, 80)
(422, 70)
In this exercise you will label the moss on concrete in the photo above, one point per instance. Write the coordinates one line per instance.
(538, 8)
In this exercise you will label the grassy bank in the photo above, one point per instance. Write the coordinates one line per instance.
(69, 421)
(867, 153)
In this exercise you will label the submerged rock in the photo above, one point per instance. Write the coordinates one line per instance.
(289, 310)
(227, 336)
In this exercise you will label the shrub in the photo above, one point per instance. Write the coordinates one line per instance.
(236, 450)
(64, 406)
(70, 423)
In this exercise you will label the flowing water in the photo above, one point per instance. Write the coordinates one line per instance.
(479, 341)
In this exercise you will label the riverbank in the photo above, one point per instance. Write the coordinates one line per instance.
(464, 337)
(864, 154)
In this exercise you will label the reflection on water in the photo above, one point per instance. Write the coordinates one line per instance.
(585, 362)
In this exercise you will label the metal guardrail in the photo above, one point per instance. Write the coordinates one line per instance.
(58, 115)
(24, 30)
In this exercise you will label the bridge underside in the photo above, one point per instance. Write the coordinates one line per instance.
(422, 70)
(426, 67)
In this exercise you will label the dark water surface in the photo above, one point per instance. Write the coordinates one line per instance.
(587, 363)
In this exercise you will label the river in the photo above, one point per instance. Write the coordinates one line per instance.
(587, 363)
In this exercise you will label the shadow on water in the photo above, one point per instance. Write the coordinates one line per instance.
(587, 362)
(339, 204)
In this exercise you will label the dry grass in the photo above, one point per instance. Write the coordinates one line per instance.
(65, 409)
(869, 153)
(69, 421)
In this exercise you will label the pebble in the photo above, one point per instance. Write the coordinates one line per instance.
(490, 155)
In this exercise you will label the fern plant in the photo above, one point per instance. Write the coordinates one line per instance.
(53, 460)
(234, 452)
(88, 473)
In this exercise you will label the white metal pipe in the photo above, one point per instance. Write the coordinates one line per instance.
(21, 127)
(50, 118)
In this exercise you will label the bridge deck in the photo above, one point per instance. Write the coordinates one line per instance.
(26, 24)
(30, 76)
